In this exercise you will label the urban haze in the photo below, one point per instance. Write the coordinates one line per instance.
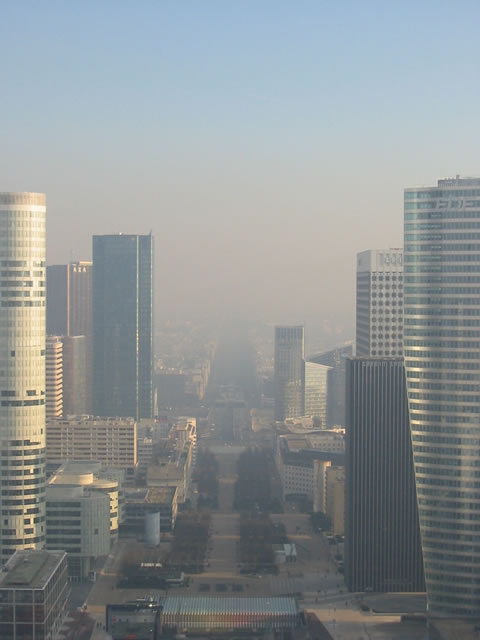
(239, 326)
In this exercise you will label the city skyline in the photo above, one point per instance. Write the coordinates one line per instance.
(282, 162)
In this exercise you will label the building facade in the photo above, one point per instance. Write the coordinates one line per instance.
(442, 361)
(22, 371)
(112, 441)
(76, 391)
(336, 359)
(69, 299)
(289, 375)
(382, 536)
(54, 377)
(317, 380)
(122, 325)
(33, 595)
(379, 313)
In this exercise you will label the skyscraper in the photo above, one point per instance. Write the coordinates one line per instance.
(22, 371)
(442, 361)
(69, 299)
(122, 325)
(379, 303)
(317, 383)
(382, 537)
(289, 372)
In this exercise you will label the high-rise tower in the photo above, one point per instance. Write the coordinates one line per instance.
(122, 325)
(442, 361)
(22, 371)
(379, 315)
(289, 374)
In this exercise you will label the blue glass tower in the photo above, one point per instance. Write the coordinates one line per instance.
(122, 325)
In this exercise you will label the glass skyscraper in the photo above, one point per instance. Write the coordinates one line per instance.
(442, 361)
(122, 325)
(289, 372)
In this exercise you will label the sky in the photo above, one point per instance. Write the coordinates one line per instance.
(263, 142)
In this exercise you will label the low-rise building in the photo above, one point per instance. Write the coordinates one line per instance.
(33, 595)
(302, 464)
(142, 501)
(171, 466)
(111, 441)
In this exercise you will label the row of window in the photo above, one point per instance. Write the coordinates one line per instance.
(442, 193)
(26, 303)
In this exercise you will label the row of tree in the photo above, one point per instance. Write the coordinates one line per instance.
(206, 478)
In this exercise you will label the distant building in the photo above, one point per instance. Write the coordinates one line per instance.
(75, 386)
(317, 382)
(171, 466)
(382, 535)
(112, 441)
(335, 498)
(297, 459)
(122, 326)
(289, 380)
(33, 592)
(69, 314)
(69, 299)
(379, 331)
(54, 377)
(336, 359)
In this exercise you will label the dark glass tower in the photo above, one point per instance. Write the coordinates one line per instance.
(382, 534)
(122, 325)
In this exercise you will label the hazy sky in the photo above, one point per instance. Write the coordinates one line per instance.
(264, 142)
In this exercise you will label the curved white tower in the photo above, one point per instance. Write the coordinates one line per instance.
(22, 372)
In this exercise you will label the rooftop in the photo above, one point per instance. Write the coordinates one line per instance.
(193, 605)
(32, 569)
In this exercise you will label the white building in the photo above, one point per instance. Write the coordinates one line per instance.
(22, 371)
(379, 330)
(54, 377)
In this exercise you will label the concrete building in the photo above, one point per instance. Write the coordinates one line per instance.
(335, 498)
(54, 377)
(317, 382)
(76, 391)
(111, 441)
(22, 365)
(122, 326)
(69, 299)
(302, 468)
(90, 477)
(289, 374)
(382, 537)
(442, 362)
(379, 330)
(33, 595)
(171, 466)
(78, 521)
(142, 501)
(336, 359)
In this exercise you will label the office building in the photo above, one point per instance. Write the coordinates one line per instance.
(122, 325)
(33, 594)
(336, 359)
(112, 441)
(379, 330)
(22, 367)
(289, 375)
(382, 537)
(75, 385)
(442, 362)
(54, 377)
(317, 381)
(69, 299)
